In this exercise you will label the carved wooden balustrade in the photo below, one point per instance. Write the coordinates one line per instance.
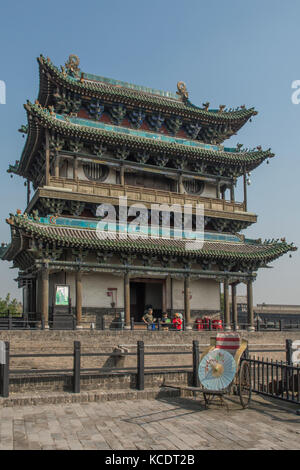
(95, 191)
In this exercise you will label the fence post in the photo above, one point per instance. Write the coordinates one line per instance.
(132, 323)
(9, 321)
(196, 382)
(42, 322)
(210, 324)
(288, 351)
(158, 324)
(76, 376)
(74, 323)
(102, 323)
(4, 372)
(257, 325)
(140, 382)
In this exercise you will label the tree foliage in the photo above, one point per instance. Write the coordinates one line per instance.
(10, 305)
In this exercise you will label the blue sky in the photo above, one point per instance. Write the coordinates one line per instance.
(227, 52)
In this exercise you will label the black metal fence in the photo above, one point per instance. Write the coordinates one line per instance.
(27, 321)
(276, 379)
(77, 371)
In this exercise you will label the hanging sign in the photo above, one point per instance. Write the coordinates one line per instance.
(62, 295)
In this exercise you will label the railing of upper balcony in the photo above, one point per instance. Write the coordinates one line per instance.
(143, 194)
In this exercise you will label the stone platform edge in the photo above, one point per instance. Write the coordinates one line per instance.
(89, 396)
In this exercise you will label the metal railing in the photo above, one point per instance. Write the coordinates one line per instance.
(27, 321)
(271, 378)
(77, 371)
(275, 379)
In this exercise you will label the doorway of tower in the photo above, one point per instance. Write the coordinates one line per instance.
(145, 293)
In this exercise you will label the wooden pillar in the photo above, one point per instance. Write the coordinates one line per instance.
(232, 198)
(38, 288)
(234, 305)
(226, 306)
(122, 175)
(164, 295)
(127, 299)
(78, 298)
(47, 160)
(56, 166)
(218, 189)
(187, 306)
(245, 192)
(180, 184)
(250, 305)
(75, 168)
(45, 295)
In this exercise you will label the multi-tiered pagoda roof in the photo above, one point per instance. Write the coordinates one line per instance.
(109, 127)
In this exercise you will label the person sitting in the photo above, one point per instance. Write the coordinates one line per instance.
(165, 321)
(148, 319)
(177, 322)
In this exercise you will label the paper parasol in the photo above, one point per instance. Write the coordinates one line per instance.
(217, 370)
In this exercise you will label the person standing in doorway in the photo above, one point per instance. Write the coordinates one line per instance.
(148, 318)
(165, 321)
(177, 322)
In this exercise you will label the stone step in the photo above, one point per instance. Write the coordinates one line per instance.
(56, 398)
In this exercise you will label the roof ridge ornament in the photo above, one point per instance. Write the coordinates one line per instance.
(72, 65)
(182, 91)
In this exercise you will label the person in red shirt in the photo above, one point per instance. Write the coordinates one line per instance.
(177, 322)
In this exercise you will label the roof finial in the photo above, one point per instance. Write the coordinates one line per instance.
(72, 65)
(182, 91)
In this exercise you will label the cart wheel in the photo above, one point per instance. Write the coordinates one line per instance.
(245, 384)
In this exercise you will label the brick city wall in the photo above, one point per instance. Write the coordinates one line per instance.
(262, 344)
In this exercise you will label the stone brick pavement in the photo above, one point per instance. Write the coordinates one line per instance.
(163, 424)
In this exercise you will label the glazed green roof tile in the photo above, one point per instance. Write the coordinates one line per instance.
(91, 239)
(40, 117)
(130, 94)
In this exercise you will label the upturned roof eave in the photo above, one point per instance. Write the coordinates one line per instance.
(51, 74)
(35, 229)
(40, 118)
